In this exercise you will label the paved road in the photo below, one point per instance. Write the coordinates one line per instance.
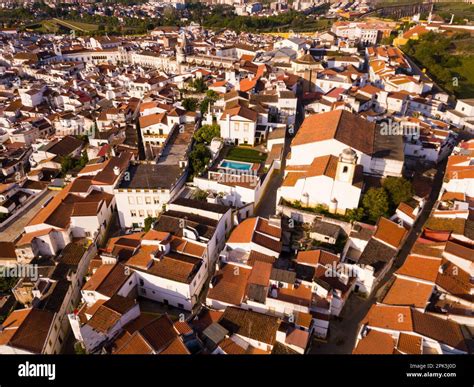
(17, 226)
(267, 205)
(343, 333)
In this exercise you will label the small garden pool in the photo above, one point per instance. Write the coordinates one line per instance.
(237, 165)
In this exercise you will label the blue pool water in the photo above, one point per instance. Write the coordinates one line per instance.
(235, 165)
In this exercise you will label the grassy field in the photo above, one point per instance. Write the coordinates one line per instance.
(382, 3)
(464, 50)
(448, 59)
(61, 26)
(459, 9)
(74, 25)
(466, 72)
(246, 155)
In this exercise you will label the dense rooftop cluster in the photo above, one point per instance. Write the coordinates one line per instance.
(199, 192)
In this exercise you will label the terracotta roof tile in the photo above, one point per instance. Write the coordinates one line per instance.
(229, 284)
(455, 281)
(314, 257)
(243, 232)
(265, 227)
(230, 347)
(420, 267)
(257, 326)
(410, 293)
(341, 125)
(260, 274)
(444, 331)
(176, 347)
(390, 232)
(255, 256)
(375, 343)
(135, 345)
(389, 317)
(410, 344)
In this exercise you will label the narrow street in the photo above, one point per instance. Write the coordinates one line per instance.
(343, 331)
(11, 232)
(267, 207)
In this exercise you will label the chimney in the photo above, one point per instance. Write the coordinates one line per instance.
(164, 247)
(116, 171)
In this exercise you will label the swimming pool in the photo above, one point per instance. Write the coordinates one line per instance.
(237, 165)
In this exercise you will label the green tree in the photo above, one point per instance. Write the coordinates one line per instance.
(199, 85)
(398, 189)
(200, 194)
(388, 40)
(190, 104)
(79, 349)
(376, 203)
(210, 99)
(212, 96)
(204, 106)
(355, 214)
(206, 133)
(199, 158)
(84, 159)
(170, 16)
(148, 223)
(434, 52)
(7, 283)
(67, 163)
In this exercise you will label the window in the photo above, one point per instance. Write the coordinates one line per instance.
(139, 200)
(141, 213)
(141, 282)
(156, 200)
(181, 306)
(133, 213)
(148, 199)
(345, 169)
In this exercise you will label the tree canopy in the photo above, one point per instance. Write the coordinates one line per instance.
(435, 52)
(148, 222)
(190, 104)
(376, 203)
(199, 157)
(398, 190)
(206, 133)
(384, 200)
